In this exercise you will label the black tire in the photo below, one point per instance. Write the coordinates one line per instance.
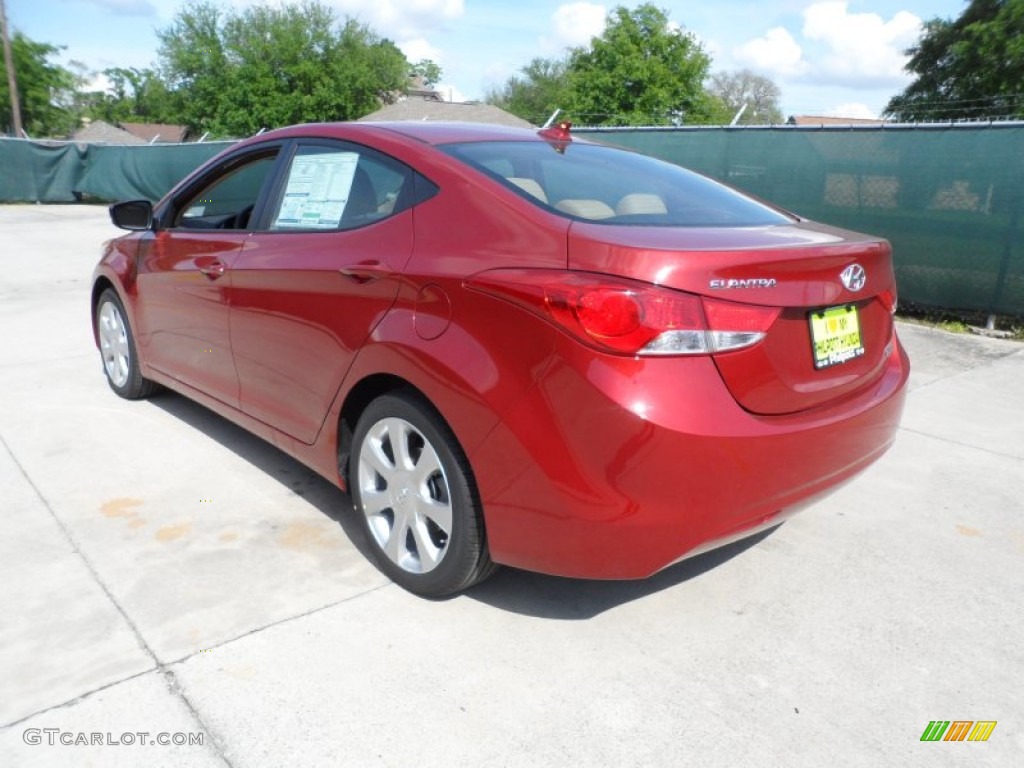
(405, 496)
(117, 349)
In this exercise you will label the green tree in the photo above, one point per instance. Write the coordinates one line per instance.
(641, 70)
(541, 87)
(134, 96)
(745, 88)
(232, 73)
(44, 89)
(971, 67)
(429, 72)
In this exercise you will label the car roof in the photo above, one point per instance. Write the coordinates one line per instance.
(428, 132)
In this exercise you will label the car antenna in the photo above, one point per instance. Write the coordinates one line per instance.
(559, 136)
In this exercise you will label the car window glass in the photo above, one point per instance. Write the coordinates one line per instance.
(228, 201)
(613, 186)
(338, 187)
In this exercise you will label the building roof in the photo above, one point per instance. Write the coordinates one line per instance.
(101, 132)
(158, 133)
(446, 111)
(830, 120)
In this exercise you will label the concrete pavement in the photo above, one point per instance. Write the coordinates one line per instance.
(164, 573)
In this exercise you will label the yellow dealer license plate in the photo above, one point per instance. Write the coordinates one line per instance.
(835, 334)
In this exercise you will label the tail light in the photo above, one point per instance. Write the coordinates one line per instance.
(629, 317)
(889, 300)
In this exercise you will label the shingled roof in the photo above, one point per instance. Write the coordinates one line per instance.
(159, 133)
(102, 132)
(445, 111)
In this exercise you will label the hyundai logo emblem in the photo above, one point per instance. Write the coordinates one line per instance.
(854, 277)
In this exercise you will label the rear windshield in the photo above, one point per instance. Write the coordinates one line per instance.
(613, 186)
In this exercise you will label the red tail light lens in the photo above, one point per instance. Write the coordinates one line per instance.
(889, 300)
(626, 316)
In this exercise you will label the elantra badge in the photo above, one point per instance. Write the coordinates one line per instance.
(854, 277)
(753, 282)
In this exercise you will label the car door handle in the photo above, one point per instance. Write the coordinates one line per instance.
(364, 273)
(212, 268)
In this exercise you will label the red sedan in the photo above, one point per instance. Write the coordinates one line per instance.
(510, 346)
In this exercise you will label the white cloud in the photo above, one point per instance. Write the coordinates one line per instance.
(776, 53)
(419, 48)
(401, 19)
(127, 7)
(854, 110)
(861, 49)
(450, 92)
(574, 24)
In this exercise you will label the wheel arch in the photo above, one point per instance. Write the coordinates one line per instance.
(356, 401)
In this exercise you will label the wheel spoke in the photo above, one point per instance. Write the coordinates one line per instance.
(429, 554)
(373, 454)
(374, 502)
(396, 548)
(437, 512)
(428, 465)
(400, 431)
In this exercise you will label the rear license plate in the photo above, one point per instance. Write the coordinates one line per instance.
(835, 336)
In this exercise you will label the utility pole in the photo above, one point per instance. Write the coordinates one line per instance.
(12, 79)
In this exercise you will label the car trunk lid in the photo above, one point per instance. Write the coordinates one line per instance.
(809, 356)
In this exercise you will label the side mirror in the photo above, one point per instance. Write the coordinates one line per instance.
(136, 215)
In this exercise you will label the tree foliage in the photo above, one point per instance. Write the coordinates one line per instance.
(231, 73)
(541, 87)
(428, 71)
(134, 96)
(743, 87)
(641, 71)
(970, 67)
(44, 89)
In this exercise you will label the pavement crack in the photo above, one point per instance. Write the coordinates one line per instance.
(963, 444)
(272, 624)
(76, 699)
(173, 686)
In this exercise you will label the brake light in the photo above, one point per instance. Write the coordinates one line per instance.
(734, 326)
(889, 300)
(629, 317)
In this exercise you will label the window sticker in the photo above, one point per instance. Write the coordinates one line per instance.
(317, 192)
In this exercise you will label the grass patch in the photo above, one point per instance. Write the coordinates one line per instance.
(956, 321)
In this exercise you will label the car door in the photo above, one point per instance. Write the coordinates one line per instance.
(184, 275)
(324, 268)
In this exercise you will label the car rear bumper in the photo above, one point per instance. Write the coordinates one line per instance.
(615, 468)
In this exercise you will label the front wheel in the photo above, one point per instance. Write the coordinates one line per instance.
(117, 349)
(413, 489)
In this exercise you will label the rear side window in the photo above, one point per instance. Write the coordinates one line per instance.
(612, 186)
(329, 186)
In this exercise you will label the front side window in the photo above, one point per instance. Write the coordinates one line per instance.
(613, 186)
(227, 202)
(338, 187)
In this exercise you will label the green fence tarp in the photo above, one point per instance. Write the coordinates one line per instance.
(948, 198)
(142, 172)
(44, 172)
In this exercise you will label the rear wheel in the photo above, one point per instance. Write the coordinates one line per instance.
(117, 349)
(415, 494)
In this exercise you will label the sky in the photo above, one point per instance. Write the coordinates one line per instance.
(829, 57)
